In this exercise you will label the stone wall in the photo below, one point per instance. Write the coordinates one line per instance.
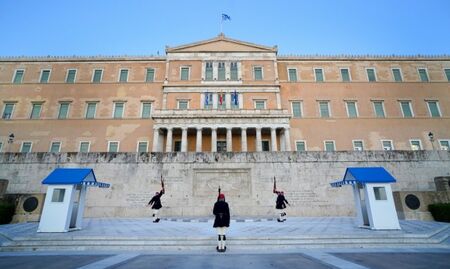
(245, 178)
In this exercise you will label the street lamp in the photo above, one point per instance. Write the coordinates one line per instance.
(10, 141)
(431, 136)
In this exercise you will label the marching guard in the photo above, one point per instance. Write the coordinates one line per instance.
(155, 202)
(280, 203)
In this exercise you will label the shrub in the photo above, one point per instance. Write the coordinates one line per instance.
(6, 212)
(440, 212)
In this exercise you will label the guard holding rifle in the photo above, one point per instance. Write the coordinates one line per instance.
(155, 202)
(281, 202)
(222, 221)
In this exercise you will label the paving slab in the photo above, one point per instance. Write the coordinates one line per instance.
(48, 261)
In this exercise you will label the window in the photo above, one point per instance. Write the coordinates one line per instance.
(26, 147)
(380, 193)
(447, 73)
(221, 71)
(90, 110)
(58, 195)
(71, 75)
(371, 75)
(45, 76)
(55, 147)
(260, 104)
(297, 109)
(300, 145)
(63, 110)
(378, 107)
(345, 74)
(18, 76)
(8, 110)
(221, 103)
(265, 145)
(352, 109)
(406, 109)
(208, 100)
(118, 110)
(183, 104)
(209, 71)
(387, 144)
(123, 77)
(329, 146)
(433, 108)
(97, 77)
(397, 74)
(150, 76)
(233, 71)
(292, 74)
(1, 146)
(142, 146)
(222, 146)
(423, 75)
(318, 72)
(146, 110)
(235, 100)
(85, 146)
(113, 146)
(36, 111)
(177, 146)
(324, 109)
(358, 145)
(415, 144)
(444, 144)
(184, 73)
(257, 73)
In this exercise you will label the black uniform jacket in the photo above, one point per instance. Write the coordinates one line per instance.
(222, 213)
(281, 202)
(156, 201)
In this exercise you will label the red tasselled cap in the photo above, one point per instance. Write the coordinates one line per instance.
(221, 196)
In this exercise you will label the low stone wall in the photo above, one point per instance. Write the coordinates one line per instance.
(245, 178)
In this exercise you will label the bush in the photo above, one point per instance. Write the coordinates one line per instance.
(6, 212)
(440, 212)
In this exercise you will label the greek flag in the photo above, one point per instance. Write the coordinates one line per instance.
(208, 98)
(234, 97)
(225, 17)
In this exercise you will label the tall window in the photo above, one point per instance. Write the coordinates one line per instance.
(26, 147)
(416, 144)
(85, 146)
(358, 145)
(387, 144)
(113, 146)
(221, 102)
(221, 71)
(118, 110)
(423, 74)
(150, 76)
(233, 71)
(177, 146)
(352, 109)
(324, 109)
(318, 72)
(447, 73)
(209, 71)
(90, 110)
(184, 73)
(142, 146)
(371, 75)
(55, 147)
(345, 74)
(1, 146)
(235, 100)
(292, 74)
(71, 75)
(265, 145)
(8, 110)
(18, 76)
(257, 73)
(300, 145)
(63, 110)
(183, 104)
(146, 110)
(123, 77)
(36, 111)
(444, 144)
(397, 74)
(433, 107)
(379, 109)
(260, 104)
(45, 75)
(406, 109)
(297, 109)
(97, 77)
(329, 146)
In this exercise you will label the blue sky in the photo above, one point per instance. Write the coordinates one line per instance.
(138, 27)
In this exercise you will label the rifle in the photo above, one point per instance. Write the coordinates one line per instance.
(274, 185)
(162, 183)
(219, 190)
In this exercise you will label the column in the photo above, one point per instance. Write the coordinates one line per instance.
(228, 100)
(244, 140)
(198, 144)
(282, 142)
(184, 139)
(273, 138)
(229, 140)
(169, 140)
(213, 140)
(155, 139)
(258, 139)
(288, 139)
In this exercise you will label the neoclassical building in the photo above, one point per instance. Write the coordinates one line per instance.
(224, 95)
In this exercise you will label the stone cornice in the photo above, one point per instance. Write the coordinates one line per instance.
(221, 114)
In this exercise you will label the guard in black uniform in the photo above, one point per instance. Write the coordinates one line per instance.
(222, 221)
(155, 202)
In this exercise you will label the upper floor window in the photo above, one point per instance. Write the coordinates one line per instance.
(208, 71)
(208, 104)
(71, 75)
(296, 109)
(91, 108)
(406, 109)
(142, 146)
(444, 144)
(123, 77)
(233, 71)
(8, 110)
(221, 71)
(423, 74)
(146, 110)
(397, 74)
(18, 76)
(447, 73)
(1, 146)
(55, 146)
(433, 108)
(45, 76)
(257, 73)
(260, 104)
(358, 145)
(113, 146)
(416, 144)
(118, 110)
(300, 145)
(221, 102)
(318, 73)
(183, 104)
(387, 145)
(234, 100)
(329, 145)
(352, 109)
(345, 74)
(184, 73)
(292, 75)
(371, 74)
(150, 76)
(97, 77)
(378, 107)
(26, 147)
(85, 146)
(324, 109)
(36, 110)
(63, 110)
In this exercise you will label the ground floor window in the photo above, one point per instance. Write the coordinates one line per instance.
(221, 146)
(265, 145)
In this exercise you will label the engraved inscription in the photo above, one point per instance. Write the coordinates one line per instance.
(233, 182)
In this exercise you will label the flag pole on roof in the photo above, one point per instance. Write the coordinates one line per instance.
(223, 18)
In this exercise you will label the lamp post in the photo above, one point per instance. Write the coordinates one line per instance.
(431, 136)
(10, 141)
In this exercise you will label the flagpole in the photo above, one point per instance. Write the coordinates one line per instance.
(221, 22)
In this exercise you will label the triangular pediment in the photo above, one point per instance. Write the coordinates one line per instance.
(221, 44)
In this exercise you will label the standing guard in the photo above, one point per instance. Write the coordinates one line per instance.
(222, 221)
(155, 202)
(280, 203)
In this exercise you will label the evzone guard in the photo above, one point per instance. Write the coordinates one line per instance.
(155, 202)
(221, 212)
(280, 203)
